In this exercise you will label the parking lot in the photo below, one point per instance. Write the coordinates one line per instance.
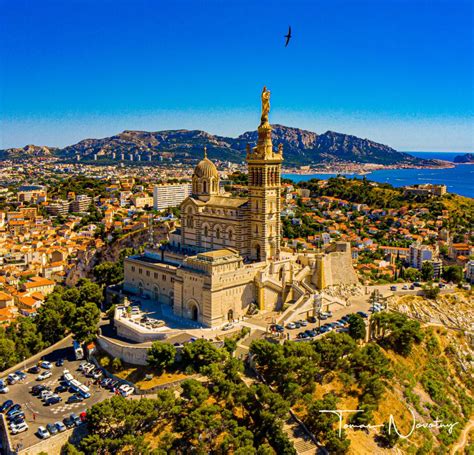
(36, 412)
(337, 313)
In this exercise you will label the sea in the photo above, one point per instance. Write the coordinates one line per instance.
(459, 179)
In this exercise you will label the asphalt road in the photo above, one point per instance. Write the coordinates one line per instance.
(36, 413)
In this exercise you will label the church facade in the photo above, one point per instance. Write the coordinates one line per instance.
(226, 258)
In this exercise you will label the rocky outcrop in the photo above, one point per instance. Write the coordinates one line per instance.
(467, 158)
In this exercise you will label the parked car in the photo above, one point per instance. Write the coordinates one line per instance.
(82, 365)
(302, 335)
(6, 405)
(12, 378)
(364, 315)
(303, 323)
(37, 389)
(291, 325)
(75, 399)
(312, 319)
(323, 317)
(61, 388)
(393, 288)
(51, 427)
(54, 399)
(35, 369)
(105, 382)
(59, 362)
(126, 390)
(60, 426)
(405, 287)
(13, 409)
(15, 415)
(4, 388)
(17, 419)
(68, 422)
(228, 326)
(417, 284)
(97, 373)
(43, 433)
(20, 374)
(46, 394)
(44, 375)
(23, 426)
(76, 419)
(46, 365)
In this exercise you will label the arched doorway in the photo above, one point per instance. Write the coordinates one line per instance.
(230, 315)
(156, 293)
(195, 313)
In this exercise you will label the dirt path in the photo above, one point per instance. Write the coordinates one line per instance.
(463, 439)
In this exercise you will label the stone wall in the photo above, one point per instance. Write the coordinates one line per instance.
(129, 353)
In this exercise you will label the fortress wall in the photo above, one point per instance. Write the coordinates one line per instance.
(342, 269)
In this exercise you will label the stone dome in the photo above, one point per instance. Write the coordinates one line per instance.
(206, 169)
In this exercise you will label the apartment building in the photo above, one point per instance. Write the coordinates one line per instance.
(170, 195)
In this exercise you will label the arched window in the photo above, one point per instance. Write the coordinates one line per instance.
(206, 231)
(231, 236)
(204, 186)
(218, 233)
(256, 229)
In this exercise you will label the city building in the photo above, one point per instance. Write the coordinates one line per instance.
(170, 195)
(81, 203)
(420, 253)
(141, 200)
(426, 189)
(226, 260)
(32, 193)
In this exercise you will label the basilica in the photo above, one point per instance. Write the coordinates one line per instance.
(226, 260)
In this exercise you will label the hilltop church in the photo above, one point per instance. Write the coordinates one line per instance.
(226, 259)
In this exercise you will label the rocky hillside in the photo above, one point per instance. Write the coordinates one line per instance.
(27, 151)
(300, 147)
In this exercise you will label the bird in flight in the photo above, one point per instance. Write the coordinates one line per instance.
(288, 37)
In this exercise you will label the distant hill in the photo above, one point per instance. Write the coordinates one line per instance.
(466, 158)
(300, 147)
(27, 151)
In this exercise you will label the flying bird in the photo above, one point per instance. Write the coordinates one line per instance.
(288, 37)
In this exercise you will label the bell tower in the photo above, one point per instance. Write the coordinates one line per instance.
(264, 169)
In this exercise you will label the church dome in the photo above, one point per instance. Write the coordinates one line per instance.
(206, 169)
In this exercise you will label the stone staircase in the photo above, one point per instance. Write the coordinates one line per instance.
(302, 443)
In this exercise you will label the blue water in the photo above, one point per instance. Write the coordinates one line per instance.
(459, 179)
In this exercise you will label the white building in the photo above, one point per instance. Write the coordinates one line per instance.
(418, 254)
(170, 195)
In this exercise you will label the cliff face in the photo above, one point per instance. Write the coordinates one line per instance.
(300, 147)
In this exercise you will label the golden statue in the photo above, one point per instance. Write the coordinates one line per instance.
(265, 105)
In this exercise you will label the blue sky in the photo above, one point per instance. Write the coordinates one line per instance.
(396, 71)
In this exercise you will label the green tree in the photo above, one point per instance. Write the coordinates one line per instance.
(453, 273)
(161, 355)
(86, 322)
(427, 271)
(8, 355)
(388, 438)
(194, 391)
(412, 274)
(357, 328)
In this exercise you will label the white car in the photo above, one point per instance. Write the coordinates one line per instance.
(15, 429)
(43, 433)
(44, 375)
(46, 365)
(126, 390)
(46, 394)
(228, 326)
(60, 426)
(12, 378)
(4, 389)
(291, 325)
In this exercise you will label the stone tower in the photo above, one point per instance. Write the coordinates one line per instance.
(264, 168)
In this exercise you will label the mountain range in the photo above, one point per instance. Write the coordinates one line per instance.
(300, 147)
